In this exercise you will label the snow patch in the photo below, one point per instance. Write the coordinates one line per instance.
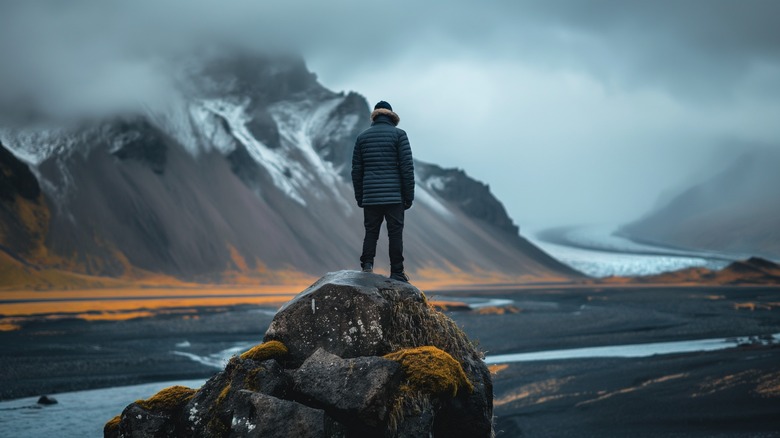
(36, 145)
(288, 175)
(438, 183)
(422, 195)
(299, 125)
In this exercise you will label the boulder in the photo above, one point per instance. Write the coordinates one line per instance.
(261, 415)
(355, 354)
(353, 314)
(347, 313)
(137, 422)
(353, 388)
(157, 416)
(210, 412)
(46, 400)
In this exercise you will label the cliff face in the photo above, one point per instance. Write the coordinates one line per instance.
(245, 172)
(735, 212)
(354, 355)
(24, 214)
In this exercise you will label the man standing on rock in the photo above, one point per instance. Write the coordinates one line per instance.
(383, 177)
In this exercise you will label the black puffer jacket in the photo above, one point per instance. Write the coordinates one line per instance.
(382, 165)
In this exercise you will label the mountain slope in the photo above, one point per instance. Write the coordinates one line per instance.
(736, 211)
(246, 173)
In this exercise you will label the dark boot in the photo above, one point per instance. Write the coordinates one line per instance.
(367, 267)
(400, 276)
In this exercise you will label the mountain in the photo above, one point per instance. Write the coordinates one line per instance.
(752, 271)
(242, 176)
(737, 211)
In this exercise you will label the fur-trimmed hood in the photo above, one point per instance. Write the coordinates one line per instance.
(385, 112)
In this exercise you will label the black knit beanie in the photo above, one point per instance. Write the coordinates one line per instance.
(383, 104)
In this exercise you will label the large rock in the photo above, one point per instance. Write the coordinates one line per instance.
(353, 314)
(138, 422)
(321, 373)
(358, 387)
(347, 313)
(158, 416)
(260, 415)
(210, 413)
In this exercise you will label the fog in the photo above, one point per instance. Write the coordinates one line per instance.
(574, 112)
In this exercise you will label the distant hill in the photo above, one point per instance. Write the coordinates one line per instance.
(751, 271)
(244, 177)
(735, 212)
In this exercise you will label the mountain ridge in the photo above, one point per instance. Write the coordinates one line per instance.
(247, 171)
(734, 211)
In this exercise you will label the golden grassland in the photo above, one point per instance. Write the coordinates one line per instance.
(108, 299)
(33, 291)
(128, 303)
(28, 291)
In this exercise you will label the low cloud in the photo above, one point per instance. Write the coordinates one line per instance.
(572, 111)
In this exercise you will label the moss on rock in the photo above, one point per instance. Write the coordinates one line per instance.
(431, 370)
(265, 351)
(112, 426)
(223, 395)
(168, 399)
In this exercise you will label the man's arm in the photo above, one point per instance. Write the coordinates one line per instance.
(406, 165)
(357, 173)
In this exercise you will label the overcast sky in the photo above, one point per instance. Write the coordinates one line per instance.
(573, 111)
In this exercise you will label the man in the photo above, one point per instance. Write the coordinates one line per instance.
(383, 177)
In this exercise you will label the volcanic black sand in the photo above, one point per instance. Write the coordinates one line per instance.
(734, 392)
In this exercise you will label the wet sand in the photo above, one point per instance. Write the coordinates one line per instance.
(733, 392)
(728, 393)
(50, 356)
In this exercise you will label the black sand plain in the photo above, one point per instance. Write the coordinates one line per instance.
(726, 393)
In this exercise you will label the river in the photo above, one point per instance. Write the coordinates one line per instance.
(83, 413)
(595, 251)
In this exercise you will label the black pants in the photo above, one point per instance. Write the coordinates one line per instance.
(372, 220)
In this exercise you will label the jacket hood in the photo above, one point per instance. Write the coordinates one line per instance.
(385, 112)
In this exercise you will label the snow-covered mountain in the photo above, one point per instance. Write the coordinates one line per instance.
(245, 172)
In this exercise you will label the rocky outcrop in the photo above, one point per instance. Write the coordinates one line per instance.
(354, 355)
(24, 214)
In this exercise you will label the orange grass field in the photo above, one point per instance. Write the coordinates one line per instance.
(144, 300)
(128, 303)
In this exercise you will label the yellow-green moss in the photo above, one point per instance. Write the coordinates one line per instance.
(265, 351)
(408, 402)
(431, 370)
(414, 324)
(112, 425)
(251, 378)
(223, 395)
(168, 399)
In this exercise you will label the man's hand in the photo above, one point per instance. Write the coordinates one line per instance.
(407, 205)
